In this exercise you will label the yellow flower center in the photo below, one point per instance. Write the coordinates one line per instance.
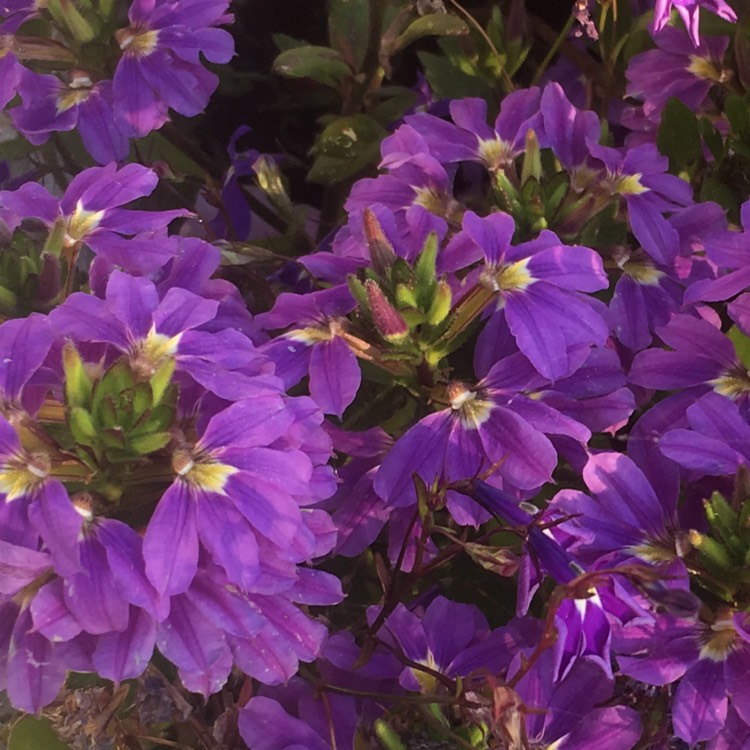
(81, 223)
(703, 68)
(472, 411)
(514, 277)
(23, 473)
(732, 383)
(208, 476)
(137, 42)
(149, 354)
(720, 640)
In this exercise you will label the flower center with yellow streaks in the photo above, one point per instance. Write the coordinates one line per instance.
(720, 640)
(472, 411)
(137, 42)
(149, 354)
(208, 476)
(22, 474)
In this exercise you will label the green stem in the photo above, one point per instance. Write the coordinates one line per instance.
(553, 50)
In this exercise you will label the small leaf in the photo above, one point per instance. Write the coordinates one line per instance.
(32, 733)
(434, 24)
(321, 64)
(741, 345)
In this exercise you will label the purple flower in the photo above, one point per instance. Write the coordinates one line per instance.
(675, 68)
(623, 517)
(534, 281)
(639, 176)
(160, 67)
(89, 212)
(317, 346)
(701, 358)
(688, 12)
(712, 658)
(49, 105)
(717, 444)
(493, 426)
(563, 713)
(472, 139)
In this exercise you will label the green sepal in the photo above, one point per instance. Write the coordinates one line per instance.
(114, 438)
(422, 496)
(78, 385)
(424, 271)
(160, 380)
(149, 443)
(405, 296)
(441, 304)
(357, 288)
(532, 159)
(713, 553)
(69, 17)
(55, 239)
(141, 399)
(387, 738)
(82, 426)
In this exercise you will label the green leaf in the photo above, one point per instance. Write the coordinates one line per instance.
(346, 146)
(32, 733)
(321, 64)
(679, 137)
(349, 30)
(741, 345)
(737, 113)
(449, 81)
(433, 24)
(712, 138)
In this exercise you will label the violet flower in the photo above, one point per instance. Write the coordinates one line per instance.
(688, 12)
(160, 67)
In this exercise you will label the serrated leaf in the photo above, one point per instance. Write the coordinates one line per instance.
(321, 64)
(349, 30)
(433, 24)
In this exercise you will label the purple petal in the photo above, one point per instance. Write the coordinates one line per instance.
(334, 376)
(700, 703)
(124, 656)
(172, 566)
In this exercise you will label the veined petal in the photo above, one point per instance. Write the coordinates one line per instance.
(170, 544)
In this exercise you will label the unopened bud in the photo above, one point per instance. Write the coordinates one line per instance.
(391, 326)
(382, 254)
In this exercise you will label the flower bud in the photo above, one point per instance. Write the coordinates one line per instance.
(382, 254)
(391, 326)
